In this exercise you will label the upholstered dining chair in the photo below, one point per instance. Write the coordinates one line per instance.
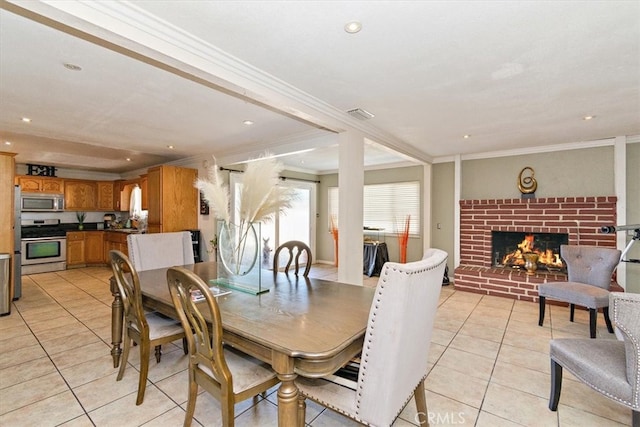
(227, 374)
(610, 367)
(395, 352)
(160, 250)
(589, 270)
(295, 249)
(147, 329)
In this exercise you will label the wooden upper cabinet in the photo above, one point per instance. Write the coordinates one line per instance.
(145, 192)
(80, 195)
(172, 199)
(40, 184)
(105, 195)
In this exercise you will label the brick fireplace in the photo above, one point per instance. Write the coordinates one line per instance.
(579, 217)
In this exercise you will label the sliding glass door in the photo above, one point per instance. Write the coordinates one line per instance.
(296, 223)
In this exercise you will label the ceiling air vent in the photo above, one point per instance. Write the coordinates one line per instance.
(361, 114)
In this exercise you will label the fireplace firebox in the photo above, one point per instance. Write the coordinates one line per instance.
(509, 249)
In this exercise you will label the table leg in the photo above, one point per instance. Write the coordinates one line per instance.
(116, 323)
(287, 392)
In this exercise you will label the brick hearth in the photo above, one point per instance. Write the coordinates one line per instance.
(579, 217)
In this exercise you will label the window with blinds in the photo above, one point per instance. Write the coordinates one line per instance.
(386, 206)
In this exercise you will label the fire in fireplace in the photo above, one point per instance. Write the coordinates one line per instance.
(509, 249)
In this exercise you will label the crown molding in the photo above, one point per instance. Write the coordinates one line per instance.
(529, 150)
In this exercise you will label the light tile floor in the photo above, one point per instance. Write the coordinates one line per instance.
(489, 366)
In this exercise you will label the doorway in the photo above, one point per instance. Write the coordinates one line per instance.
(296, 223)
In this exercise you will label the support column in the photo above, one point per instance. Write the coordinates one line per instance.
(426, 206)
(620, 183)
(350, 205)
(457, 189)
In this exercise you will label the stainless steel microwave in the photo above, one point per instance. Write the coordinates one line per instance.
(40, 202)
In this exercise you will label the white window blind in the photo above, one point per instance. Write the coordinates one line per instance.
(386, 206)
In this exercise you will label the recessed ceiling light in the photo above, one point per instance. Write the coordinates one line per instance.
(588, 117)
(248, 122)
(7, 143)
(467, 136)
(72, 67)
(170, 147)
(128, 159)
(26, 119)
(352, 27)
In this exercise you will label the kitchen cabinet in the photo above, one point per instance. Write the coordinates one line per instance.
(94, 247)
(122, 196)
(40, 184)
(105, 195)
(172, 199)
(145, 194)
(75, 248)
(85, 247)
(80, 195)
(115, 240)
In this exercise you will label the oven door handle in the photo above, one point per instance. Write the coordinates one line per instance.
(32, 239)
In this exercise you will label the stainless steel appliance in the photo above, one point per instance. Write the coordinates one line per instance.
(43, 246)
(40, 202)
(17, 246)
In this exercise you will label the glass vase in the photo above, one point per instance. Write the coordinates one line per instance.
(238, 257)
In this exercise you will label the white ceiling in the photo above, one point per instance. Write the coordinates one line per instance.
(513, 75)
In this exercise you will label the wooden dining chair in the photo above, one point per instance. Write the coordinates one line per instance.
(229, 375)
(147, 329)
(295, 249)
(394, 358)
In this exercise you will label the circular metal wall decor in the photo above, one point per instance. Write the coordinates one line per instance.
(527, 184)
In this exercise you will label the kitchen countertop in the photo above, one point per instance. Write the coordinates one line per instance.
(124, 230)
(115, 230)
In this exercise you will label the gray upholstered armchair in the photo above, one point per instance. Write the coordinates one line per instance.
(610, 367)
(589, 269)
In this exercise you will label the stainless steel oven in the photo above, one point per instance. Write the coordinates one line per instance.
(43, 246)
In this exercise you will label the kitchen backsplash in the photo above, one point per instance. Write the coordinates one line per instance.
(70, 217)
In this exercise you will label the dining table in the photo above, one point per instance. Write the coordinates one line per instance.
(301, 326)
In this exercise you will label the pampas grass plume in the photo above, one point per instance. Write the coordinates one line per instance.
(215, 193)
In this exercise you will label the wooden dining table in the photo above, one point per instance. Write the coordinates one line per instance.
(302, 326)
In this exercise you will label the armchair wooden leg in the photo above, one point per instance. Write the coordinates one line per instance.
(607, 319)
(635, 419)
(572, 310)
(158, 353)
(541, 302)
(421, 404)
(593, 317)
(556, 385)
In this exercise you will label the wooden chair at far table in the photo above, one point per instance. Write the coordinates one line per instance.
(394, 360)
(295, 249)
(147, 329)
(227, 374)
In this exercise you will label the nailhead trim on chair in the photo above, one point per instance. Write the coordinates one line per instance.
(635, 405)
(363, 366)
